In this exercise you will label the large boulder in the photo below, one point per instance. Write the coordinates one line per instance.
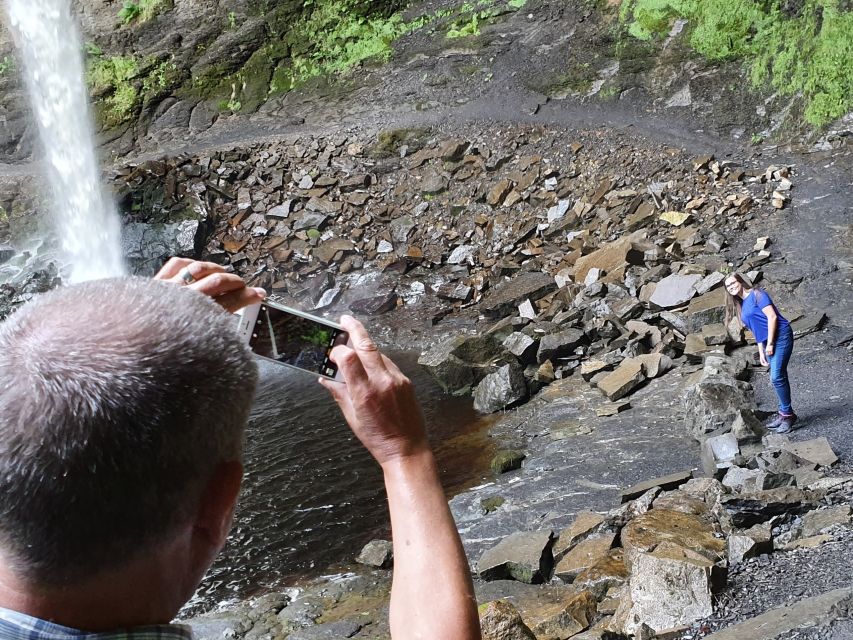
(609, 257)
(583, 556)
(665, 528)
(505, 298)
(558, 345)
(456, 363)
(709, 308)
(668, 589)
(563, 619)
(147, 246)
(716, 399)
(524, 556)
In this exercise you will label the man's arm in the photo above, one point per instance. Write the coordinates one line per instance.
(432, 595)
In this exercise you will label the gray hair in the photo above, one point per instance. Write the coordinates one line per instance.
(118, 399)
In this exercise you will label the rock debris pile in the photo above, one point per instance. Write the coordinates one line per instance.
(650, 568)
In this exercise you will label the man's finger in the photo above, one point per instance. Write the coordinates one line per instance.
(350, 366)
(340, 394)
(217, 284)
(198, 270)
(236, 300)
(171, 268)
(363, 345)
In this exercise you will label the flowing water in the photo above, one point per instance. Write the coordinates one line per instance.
(312, 495)
(86, 219)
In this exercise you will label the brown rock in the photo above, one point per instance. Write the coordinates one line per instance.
(582, 526)
(657, 527)
(609, 257)
(499, 620)
(563, 620)
(497, 193)
(628, 376)
(607, 573)
(584, 555)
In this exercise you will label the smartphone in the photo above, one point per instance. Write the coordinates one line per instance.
(292, 338)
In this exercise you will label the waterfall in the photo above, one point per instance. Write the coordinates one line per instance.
(85, 216)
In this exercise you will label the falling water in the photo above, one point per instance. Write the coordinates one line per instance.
(86, 219)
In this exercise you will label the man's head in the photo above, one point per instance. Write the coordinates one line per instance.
(119, 400)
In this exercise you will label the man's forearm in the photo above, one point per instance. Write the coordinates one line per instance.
(432, 595)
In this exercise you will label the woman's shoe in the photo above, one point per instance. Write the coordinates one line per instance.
(774, 421)
(786, 424)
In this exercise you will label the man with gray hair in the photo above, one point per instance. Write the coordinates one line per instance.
(122, 412)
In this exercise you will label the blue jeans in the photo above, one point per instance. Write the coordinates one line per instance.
(779, 368)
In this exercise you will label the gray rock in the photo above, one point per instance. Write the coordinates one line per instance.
(816, 522)
(309, 220)
(521, 346)
(665, 483)
(817, 451)
(524, 556)
(376, 305)
(281, 211)
(805, 614)
(500, 389)
(619, 383)
(328, 631)
(463, 254)
(377, 553)
(667, 592)
(674, 291)
(749, 543)
(708, 282)
(736, 477)
(558, 345)
(433, 184)
(747, 427)
(713, 403)
(505, 298)
(148, 246)
(718, 454)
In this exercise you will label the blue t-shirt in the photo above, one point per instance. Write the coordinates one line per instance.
(753, 316)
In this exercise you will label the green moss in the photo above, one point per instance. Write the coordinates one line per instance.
(113, 77)
(492, 503)
(809, 53)
(507, 461)
(7, 65)
(388, 142)
(143, 10)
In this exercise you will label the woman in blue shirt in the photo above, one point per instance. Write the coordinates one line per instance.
(774, 337)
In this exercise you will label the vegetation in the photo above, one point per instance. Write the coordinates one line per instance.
(804, 48)
(142, 10)
(125, 81)
(7, 65)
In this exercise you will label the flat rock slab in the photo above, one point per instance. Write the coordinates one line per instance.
(627, 377)
(666, 483)
(674, 291)
(508, 295)
(584, 555)
(524, 556)
(811, 612)
(817, 451)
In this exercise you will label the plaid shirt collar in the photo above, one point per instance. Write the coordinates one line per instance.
(17, 626)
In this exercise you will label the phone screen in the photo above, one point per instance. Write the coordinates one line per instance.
(296, 341)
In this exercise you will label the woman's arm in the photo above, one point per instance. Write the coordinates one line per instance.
(772, 322)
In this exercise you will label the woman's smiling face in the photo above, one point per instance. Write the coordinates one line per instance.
(733, 286)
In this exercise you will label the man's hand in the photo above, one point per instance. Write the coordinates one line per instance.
(379, 404)
(378, 401)
(227, 289)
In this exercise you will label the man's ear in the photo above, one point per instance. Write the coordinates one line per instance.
(218, 500)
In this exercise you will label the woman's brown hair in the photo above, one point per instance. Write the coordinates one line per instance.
(734, 304)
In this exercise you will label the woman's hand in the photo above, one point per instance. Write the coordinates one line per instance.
(763, 359)
(768, 350)
(227, 289)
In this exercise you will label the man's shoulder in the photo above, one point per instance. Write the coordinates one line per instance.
(20, 626)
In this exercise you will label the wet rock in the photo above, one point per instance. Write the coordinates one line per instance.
(674, 291)
(524, 556)
(713, 403)
(564, 619)
(456, 292)
(377, 553)
(148, 246)
(558, 345)
(508, 460)
(500, 620)
(452, 362)
(627, 377)
(500, 389)
(583, 555)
